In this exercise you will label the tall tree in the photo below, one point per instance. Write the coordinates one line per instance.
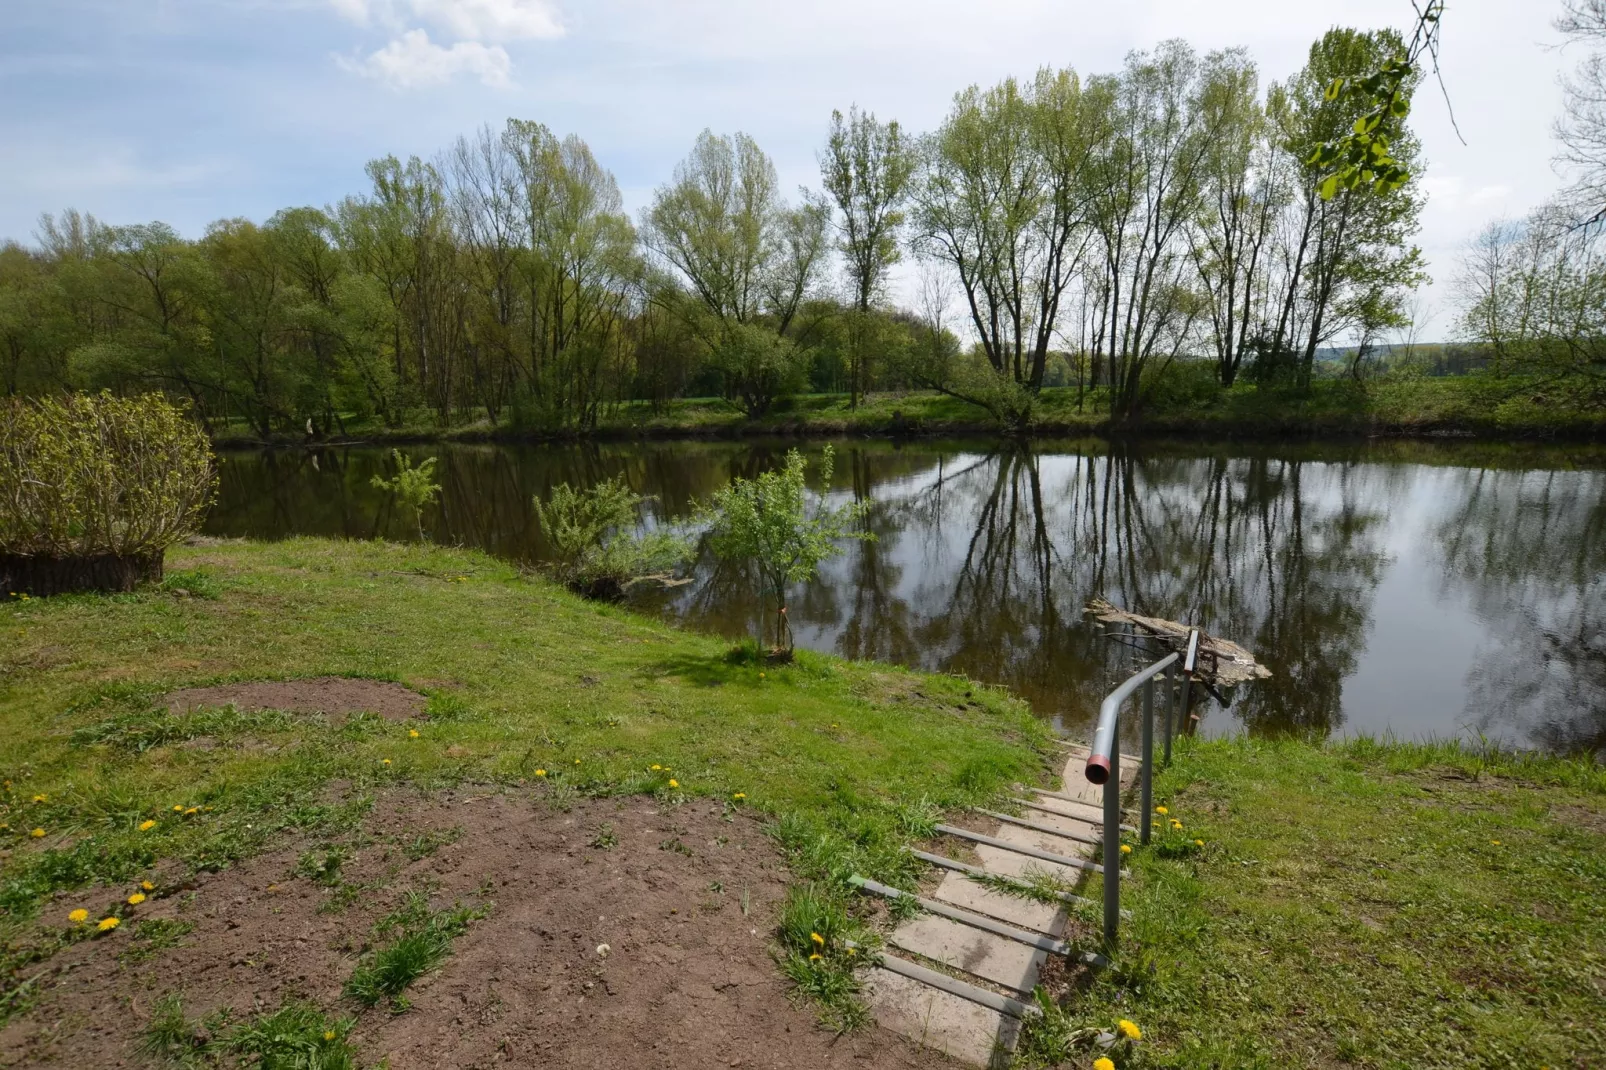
(866, 169)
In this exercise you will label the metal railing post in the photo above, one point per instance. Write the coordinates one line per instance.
(1146, 768)
(1170, 710)
(1112, 845)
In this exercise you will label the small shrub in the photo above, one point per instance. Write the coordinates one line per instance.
(597, 553)
(92, 476)
(415, 488)
(770, 522)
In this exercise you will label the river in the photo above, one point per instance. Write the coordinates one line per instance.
(1406, 589)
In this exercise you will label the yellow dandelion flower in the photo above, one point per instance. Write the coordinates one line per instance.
(817, 938)
(79, 916)
(37, 833)
(146, 826)
(384, 761)
(1161, 810)
(853, 951)
(816, 957)
(1198, 843)
(107, 925)
(540, 772)
(1129, 1029)
(1126, 848)
(577, 761)
(328, 1034)
(147, 885)
(40, 798)
(412, 733)
(178, 808)
(655, 767)
(1495, 842)
(192, 810)
(740, 795)
(136, 899)
(1177, 825)
(761, 676)
(1103, 1062)
(674, 783)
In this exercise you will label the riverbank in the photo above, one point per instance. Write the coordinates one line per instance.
(1454, 407)
(1348, 905)
(1362, 904)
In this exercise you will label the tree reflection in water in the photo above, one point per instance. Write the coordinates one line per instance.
(987, 551)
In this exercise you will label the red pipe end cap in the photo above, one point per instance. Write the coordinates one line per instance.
(1098, 769)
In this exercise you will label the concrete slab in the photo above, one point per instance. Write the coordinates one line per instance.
(982, 954)
(957, 1027)
(959, 890)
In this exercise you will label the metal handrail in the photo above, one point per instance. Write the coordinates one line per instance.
(1104, 764)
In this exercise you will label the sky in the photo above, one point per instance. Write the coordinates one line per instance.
(188, 111)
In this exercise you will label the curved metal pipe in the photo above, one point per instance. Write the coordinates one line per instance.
(1098, 758)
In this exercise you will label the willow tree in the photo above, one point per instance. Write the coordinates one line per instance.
(578, 270)
(866, 169)
(747, 257)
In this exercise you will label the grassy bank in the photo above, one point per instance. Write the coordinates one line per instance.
(1185, 404)
(527, 684)
(1363, 905)
(1351, 905)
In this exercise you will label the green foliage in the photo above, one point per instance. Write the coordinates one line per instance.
(152, 936)
(821, 946)
(595, 551)
(297, 1036)
(424, 939)
(90, 474)
(768, 521)
(1361, 157)
(414, 488)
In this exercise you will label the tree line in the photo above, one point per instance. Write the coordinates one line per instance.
(1063, 230)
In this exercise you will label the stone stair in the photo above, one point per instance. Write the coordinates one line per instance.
(953, 981)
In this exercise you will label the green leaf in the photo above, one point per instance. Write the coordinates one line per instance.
(1334, 88)
(1329, 187)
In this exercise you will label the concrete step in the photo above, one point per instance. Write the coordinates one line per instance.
(981, 954)
(959, 1028)
(960, 891)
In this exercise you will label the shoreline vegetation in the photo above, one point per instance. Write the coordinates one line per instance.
(1445, 895)
(1458, 407)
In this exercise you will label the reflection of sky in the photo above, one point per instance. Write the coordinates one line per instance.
(1411, 677)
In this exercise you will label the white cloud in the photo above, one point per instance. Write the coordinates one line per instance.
(413, 60)
(491, 20)
(465, 20)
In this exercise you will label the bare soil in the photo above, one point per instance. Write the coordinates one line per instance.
(336, 696)
(688, 980)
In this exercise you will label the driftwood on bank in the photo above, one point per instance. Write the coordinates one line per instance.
(1221, 662)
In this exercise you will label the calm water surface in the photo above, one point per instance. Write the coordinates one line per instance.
(1404, 588)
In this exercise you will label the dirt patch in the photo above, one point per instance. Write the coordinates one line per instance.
(336, 696)
(688, 980)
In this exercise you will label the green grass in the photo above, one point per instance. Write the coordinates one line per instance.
(854, 755)
(1187, 401)
(423, 938)
(1352, 907)
(297, 1036)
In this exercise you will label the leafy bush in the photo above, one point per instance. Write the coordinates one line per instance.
(415, 488)
(596, 552)
(770, 522)
(92, 474)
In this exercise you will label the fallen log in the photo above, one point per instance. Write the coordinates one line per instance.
(1221, 662)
